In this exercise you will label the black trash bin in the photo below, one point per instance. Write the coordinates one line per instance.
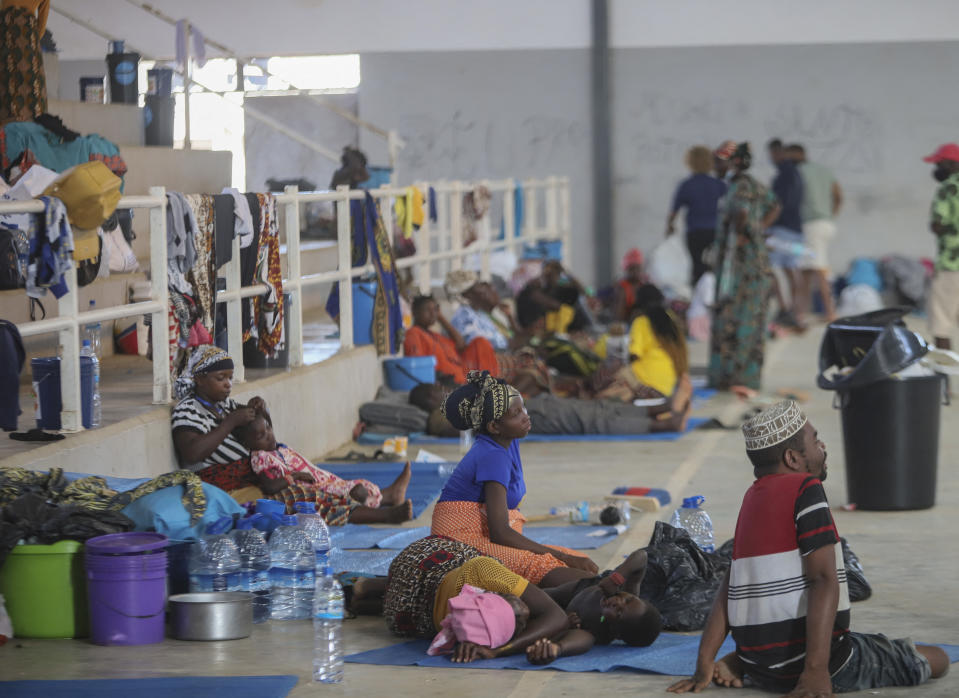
(890, 424)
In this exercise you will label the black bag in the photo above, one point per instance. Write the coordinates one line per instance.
(12, 275)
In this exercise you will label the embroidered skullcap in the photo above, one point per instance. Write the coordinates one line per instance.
(205, 358)
(725, 150)
(459, 281)
(773, 425)
(482, 400)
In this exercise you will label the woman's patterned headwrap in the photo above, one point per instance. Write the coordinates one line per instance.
(206, 358)
(482, 400)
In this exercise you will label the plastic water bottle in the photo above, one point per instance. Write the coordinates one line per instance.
(96, 407)
(317, 531)
(577, 513)
(215, 560)
(466, 440)
(327, 622)
(696, 521)
(254, 566)
(291, 572)
(91, 331)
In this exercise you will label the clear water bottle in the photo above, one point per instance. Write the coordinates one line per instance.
(91, 331)
(466, 440)
(96, 407)
(317, 531)
(254, 566)
(291, 572)
(215, 560)
(696, 521)
(327, 624)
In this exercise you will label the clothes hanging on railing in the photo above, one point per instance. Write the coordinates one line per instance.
(266, 311)
(243, 211)
(249, 256)
(51, 250)
(409, 211)
(180, 234)
(369, 233)
(475, 207)
(224, 229)
(431, 195)
(517, 213)
(202, 274)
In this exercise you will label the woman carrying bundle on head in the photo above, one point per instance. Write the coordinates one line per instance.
(479, 505)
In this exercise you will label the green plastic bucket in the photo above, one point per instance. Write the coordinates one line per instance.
(45, 590)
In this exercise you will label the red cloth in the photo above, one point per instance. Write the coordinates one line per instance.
(478, 354)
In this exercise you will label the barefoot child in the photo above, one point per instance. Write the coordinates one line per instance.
(284, 474)
(785, 596)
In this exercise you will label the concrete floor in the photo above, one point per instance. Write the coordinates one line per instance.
(909, 558)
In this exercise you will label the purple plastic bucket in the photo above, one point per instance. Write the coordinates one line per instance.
(126, 588)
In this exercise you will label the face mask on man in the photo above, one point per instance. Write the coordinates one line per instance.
(941, 174)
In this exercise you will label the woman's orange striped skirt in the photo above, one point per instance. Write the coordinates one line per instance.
(467, 523)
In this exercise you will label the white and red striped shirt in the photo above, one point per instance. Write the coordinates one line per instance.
(783, 518)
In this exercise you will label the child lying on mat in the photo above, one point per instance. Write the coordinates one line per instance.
(279, 466)
(437, 585)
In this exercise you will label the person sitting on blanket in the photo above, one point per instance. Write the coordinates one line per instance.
(203, 424)
(658, 358)
(479, 504)
(550, 414)
(550, 303)
(454, 356)
(785, 596)
(474, 319)
(428, 577)
(281, 469)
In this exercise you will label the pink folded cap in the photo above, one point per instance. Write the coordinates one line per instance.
(483, 618)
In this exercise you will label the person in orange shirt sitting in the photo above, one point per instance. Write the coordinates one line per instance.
(454, 357)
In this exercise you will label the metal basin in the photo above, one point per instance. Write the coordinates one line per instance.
(217, 615)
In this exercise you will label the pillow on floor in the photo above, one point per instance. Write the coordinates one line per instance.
(402, 418)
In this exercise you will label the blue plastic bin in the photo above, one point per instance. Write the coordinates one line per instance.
(409, 371)
(544, 249)
(364, 295)
(46, 386)
(378, 177)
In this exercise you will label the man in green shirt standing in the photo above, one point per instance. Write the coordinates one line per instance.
(944, 223)
(821, 201)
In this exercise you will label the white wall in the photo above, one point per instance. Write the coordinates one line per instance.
(290, 27)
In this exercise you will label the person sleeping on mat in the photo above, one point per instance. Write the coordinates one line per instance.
(285, 475)
(478, 609)
(550, 414)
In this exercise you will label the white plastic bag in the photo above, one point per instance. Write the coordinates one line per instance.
(118, 252)
(6, 627)
(669, 267)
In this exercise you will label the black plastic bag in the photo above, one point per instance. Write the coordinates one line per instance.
(681, 580)
(859, 589)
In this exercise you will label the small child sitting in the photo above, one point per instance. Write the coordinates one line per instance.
(278, 466)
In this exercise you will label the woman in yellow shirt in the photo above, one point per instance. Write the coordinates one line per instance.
(658, 358)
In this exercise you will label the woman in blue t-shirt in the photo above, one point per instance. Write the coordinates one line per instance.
(699, 194)
(479, 504)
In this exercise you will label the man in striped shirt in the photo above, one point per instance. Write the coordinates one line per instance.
(785, 597)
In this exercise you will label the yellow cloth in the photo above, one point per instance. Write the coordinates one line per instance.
(480, 572)
(409, 211)
(653, 366)
(558, 321)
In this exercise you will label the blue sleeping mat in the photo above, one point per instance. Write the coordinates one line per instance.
(577, 537)
(233, 686)
(671, 654)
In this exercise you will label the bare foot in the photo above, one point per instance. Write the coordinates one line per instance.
(400, 512)
(684, 417)
(396, 493)
(742, 392)
(728, 672)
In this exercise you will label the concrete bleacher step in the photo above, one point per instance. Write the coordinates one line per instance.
(119, 123)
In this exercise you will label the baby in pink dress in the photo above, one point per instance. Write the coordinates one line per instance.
(279, 461)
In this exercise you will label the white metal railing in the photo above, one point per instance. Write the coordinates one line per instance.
(439, 246)
(70, 319)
